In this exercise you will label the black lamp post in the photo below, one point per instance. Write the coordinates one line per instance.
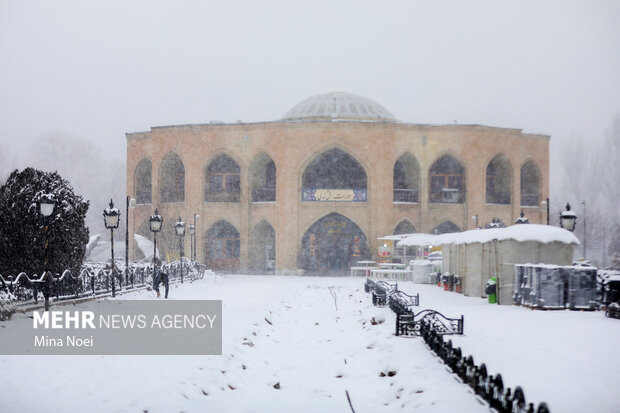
(111, 219)
(568, 219)
(192, 232)
(155, 222)
(131, 203)
(180, 230)
(196, 219)
(46, 202)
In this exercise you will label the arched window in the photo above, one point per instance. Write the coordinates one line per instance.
(334, 176)
(262, 258)
(222, 181)
(445, 228)
(404, 227)
(263, 179)
(447, 181)
(499, 181)
(222, 247)
(142, 182)
(172, 179)
(530, 184)
(406, 179)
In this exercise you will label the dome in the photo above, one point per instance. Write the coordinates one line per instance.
(338, 105)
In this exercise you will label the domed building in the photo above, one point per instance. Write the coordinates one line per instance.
(315, 189)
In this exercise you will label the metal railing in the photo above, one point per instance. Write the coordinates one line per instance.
(381, 291)
(432, 326)
(488, 387)
(93, 280)
(405, 195)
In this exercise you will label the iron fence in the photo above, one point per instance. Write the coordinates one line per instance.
(92, 280)
(488, 387)
(432, 326)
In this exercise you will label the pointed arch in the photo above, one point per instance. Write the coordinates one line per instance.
(499, 181)
(447, 181)
(222, 180)
(222, 246)
(172, 179)
(332, 244)
(406, 178)
(142, 179)
(445, 228)
(262, 248)
(334, 169)
(404, 227)
(263, 178)
(530, 184)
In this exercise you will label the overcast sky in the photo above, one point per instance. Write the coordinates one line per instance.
(98, 69)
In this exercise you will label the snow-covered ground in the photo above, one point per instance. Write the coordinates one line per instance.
(309, 353)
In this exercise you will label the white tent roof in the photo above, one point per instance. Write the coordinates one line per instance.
(521, 233)
(394, 237)
(419, 240)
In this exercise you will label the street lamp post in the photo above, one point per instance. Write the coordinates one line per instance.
(180, 230)
(546, 206)
(196, 219)
(131, 203)
(192, 232)
(568, 219)
(46, 202)
(585, 234)
(155, 222)
(111, 219)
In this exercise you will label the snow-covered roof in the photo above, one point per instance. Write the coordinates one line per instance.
(419, 240)
(393, 237)
(520, 233)
(338, 105)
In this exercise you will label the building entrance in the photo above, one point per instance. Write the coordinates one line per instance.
(331, 245)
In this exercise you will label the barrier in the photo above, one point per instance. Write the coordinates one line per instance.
(488, 387)
(432, 326)
(93, 280)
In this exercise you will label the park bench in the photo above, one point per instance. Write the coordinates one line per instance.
(410, 324)
(370, 285)
(402, 303)
(381, 292)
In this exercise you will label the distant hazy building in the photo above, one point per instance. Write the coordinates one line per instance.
(314, 189)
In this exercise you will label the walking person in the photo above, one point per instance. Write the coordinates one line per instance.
(161, 277)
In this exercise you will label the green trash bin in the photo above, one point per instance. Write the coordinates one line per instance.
(491, 290)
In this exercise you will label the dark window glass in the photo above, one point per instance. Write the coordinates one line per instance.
(232, 248)
(215, 183)
(233, 183)
(172, 179)
(447, 181)
(222, 180)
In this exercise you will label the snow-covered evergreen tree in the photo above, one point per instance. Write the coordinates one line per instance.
(24, 231)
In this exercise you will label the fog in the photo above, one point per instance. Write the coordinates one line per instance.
(88, 72)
